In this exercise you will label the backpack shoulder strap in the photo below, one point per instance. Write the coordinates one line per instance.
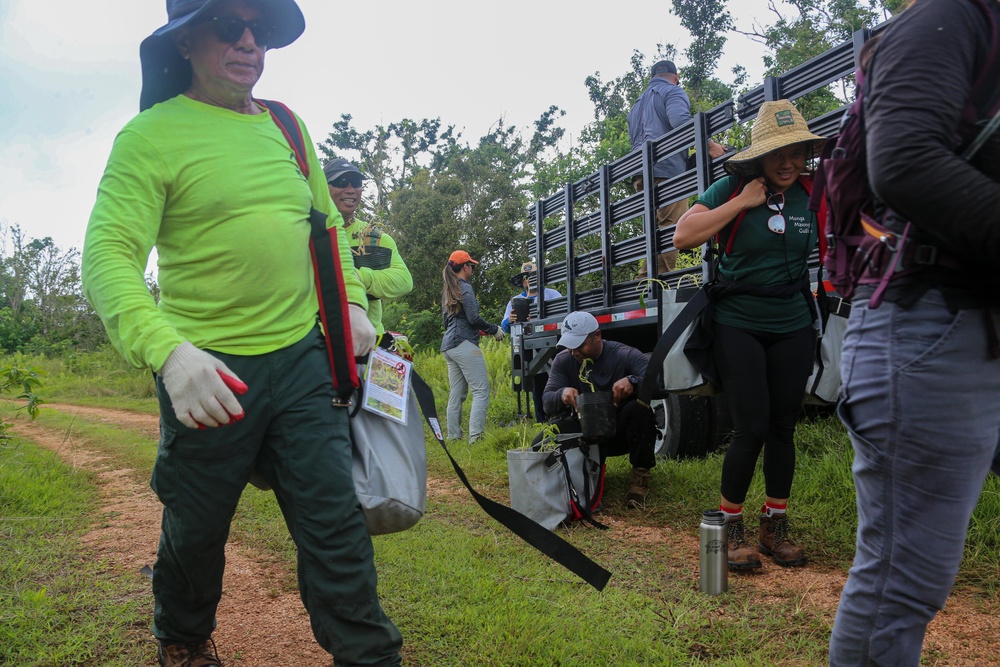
(984, 96)
(727, 234)
(289, 126)
(329, 277)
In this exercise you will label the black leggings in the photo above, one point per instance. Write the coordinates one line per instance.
(763, 376)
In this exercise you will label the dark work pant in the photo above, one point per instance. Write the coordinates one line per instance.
(635, 434)
(537, 392)
(763, 376)
(302, 448)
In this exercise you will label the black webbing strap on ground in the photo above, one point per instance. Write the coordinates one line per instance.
(325, 253)
(654, 368)
(531, 532)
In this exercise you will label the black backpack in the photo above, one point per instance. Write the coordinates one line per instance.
(860, 248)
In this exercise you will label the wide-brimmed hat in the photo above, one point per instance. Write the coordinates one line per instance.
(166, 74)
(334, 169)
(526, 270)
(778, 124)
(460, 257)
(575, 329)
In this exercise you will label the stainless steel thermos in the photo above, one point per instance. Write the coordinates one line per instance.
(714, 553)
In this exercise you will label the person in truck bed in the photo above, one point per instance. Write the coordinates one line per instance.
(662, 107)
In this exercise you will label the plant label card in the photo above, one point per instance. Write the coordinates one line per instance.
(387, 385)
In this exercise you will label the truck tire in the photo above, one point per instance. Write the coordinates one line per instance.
(691, 426)
(686, 427)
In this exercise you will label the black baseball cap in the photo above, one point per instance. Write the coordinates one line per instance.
(663, 67)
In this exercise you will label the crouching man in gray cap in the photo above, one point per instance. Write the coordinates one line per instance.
(610, 366)
(242, 372)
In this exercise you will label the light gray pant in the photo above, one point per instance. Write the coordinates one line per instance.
(921, 399)
(467, 368)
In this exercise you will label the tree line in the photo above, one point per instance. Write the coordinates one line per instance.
(434, 191)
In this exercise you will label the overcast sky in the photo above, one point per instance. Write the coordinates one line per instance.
(69, 77)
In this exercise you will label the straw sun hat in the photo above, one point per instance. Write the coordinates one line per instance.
(778, 124)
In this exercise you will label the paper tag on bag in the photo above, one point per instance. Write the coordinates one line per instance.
(387, 385)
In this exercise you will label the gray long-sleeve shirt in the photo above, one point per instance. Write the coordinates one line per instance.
(466, 323)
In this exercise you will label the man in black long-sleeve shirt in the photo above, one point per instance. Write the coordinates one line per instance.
(922, 378)
(614, 367)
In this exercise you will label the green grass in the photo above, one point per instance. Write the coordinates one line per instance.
(461, 587)
(57, 606)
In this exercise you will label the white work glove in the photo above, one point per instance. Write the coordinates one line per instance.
(500, 334)
(362, 331)
(201, 388)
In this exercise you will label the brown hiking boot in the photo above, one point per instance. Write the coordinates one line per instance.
(741, 555)
(774, 542)
(194, 654)
(638, 487)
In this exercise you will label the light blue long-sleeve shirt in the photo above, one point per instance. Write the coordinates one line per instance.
(661, 108)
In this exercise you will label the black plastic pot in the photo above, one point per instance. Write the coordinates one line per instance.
(597, 414)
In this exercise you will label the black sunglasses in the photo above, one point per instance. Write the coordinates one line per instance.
(230, 30)
(345, 180)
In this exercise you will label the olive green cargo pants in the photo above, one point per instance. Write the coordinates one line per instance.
(301, 446)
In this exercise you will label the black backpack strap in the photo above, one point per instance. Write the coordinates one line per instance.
(324, 250)
(530, 531)
(985, 95)
(654, 368)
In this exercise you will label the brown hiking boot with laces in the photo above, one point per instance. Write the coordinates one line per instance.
(194, 654)
(741, 555)
(638, 487)
(774, 542)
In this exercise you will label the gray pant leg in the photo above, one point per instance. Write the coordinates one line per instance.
(922, 404)
(458, 390)
(468, 359)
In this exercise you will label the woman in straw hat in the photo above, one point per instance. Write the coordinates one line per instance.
(761, 317)
(460, 346)
(205, 175)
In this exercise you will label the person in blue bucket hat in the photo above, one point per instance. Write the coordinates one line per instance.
(205, 175)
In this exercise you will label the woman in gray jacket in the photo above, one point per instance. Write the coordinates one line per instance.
(460, 346)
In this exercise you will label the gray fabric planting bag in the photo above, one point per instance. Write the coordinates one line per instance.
(538, 486)
(823, 387)
(390, 469)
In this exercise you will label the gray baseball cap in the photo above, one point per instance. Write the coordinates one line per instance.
(334, 169)
(575, 329)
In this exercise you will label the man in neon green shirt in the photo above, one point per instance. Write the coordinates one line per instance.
(205, 176)
(377, 260)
